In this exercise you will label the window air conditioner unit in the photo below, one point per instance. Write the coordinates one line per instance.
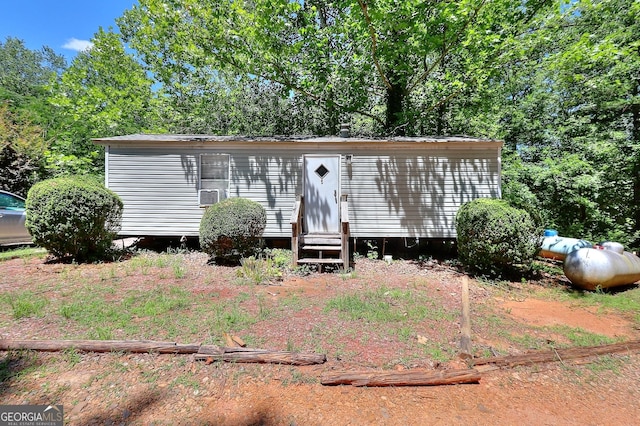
(207, 197)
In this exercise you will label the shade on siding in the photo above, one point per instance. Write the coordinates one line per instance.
(395, 189)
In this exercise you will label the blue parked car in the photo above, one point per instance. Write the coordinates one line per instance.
(12, 220)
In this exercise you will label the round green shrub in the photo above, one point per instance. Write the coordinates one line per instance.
(494, 237)
(232, 229)
(73, 216)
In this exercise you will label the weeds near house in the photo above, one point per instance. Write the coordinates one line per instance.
(282, 259)
(178, 271)
(258, 271)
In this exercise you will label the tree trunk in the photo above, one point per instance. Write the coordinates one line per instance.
(395, 100)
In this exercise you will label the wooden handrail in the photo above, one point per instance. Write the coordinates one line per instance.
(296, 228)
(297, 211)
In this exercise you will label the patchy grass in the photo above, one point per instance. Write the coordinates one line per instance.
(22, 252)
(580, 337)
(385, 305)
(378, 316)
(25, 304)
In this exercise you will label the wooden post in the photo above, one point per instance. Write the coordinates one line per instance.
(465, 323)
(344, 219)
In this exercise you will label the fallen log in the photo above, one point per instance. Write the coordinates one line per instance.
(201, 352)
(416, 377)
(134, 346)
(559, 354)
(262, 356)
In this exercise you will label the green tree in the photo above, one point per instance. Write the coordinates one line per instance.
(26, 118)
(22, 149)
(371, 59)
(597, 76)
(25, 72)
(104, 92)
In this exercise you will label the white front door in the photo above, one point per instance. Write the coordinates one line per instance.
(322, 194)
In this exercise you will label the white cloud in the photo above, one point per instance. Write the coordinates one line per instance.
(78, 45)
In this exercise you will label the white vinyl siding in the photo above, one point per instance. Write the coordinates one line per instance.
(159, 189)
(392, 192)
(401, 194)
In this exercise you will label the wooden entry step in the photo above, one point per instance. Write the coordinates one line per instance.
(319, 260)
(323, 248)
(321, 239)
(320, 248)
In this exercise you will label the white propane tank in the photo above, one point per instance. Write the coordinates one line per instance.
(556, 247)
(592, 268)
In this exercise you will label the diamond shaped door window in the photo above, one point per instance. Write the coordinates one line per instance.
(322, 171)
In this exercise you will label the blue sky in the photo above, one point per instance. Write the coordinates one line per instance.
(64, 25)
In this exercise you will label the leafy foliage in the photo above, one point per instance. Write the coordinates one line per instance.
(372, 59)
(104, 92)
(22, 149)
(232, 229)
(495, 238)
(25, 116)
(73, 216)
(25, 72)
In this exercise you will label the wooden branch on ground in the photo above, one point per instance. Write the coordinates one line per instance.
(401, 378)
(134, 346)
(559, 354)
(212, 353)
(202, 352)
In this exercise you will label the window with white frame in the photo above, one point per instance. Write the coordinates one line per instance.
(214, 178)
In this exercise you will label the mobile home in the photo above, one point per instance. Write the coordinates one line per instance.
(382, 188)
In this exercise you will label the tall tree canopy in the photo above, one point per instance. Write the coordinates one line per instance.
(26, 118)
(104, 92)
(369, 58)
(569, 110)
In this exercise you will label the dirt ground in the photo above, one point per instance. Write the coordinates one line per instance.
(146, 389)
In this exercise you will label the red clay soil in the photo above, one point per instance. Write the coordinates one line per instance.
(145, 389)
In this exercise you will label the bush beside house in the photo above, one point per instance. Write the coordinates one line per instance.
(494, 237)
(75, 217)
(232, 229)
